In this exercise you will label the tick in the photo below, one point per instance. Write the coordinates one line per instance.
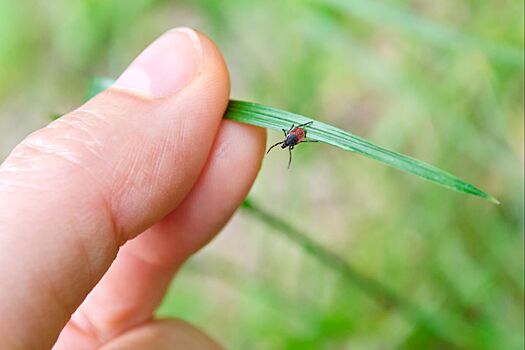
(294, 135)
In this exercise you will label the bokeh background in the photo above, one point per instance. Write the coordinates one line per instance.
(340, 251)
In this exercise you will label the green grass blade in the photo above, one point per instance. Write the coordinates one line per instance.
(268, 117)
(273, 118)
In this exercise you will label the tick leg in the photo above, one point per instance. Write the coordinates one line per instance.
(309, 141)
(291, 128)
(290, 159)
(269, 149)
(305, 124)
(285, 133)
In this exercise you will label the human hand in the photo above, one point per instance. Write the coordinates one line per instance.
(150, 163)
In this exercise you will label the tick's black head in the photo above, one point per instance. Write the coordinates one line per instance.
(291, 140)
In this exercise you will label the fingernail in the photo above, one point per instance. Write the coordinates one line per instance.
(166, 66)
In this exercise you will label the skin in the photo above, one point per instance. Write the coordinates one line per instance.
(126, 165)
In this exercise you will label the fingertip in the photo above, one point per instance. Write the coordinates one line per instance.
(177, 58)
(163, 334)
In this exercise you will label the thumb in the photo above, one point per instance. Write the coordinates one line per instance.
(73, 192)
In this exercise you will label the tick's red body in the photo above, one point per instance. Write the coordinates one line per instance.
(296, 135)
(292, 137)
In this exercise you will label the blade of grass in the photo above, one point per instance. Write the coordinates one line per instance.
(273, 118)
(268, 117)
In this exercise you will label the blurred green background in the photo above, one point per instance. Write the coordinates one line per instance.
(411, 265)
